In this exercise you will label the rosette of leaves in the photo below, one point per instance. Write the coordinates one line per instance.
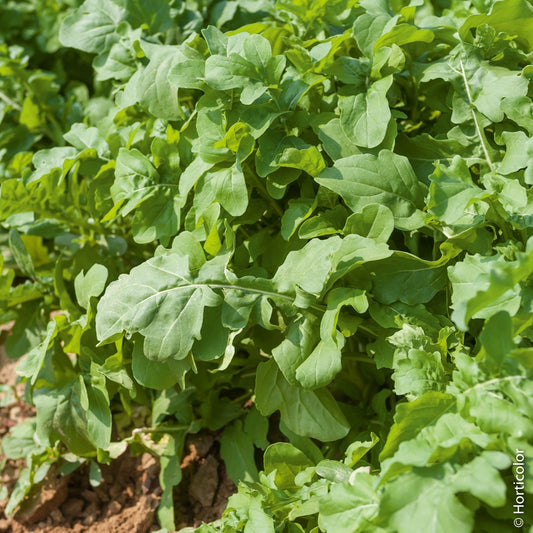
(325, 212)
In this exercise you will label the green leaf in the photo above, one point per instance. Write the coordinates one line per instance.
(309, 267)
(91, 284)
(135, 179)
(287, 461)
(518, 109)
(61, 417)
(482, 286)
(365, 117)
(322, 364)
(237, 450)
(258, 520)
(368, 28)
(91, 27)
(230, 189)
(349, 508)
(157, 375)
(375, 221)
(95, 474)
(256, 427)
(160, 300)
(155, 14)
(155, 87)
(117, 64)
(138, 186)
(357, 450)
(406, 278)
(308, 413)
(95, 398)
(300, 340)
(417, 362)
(21, 255)
(514, 17)
(55, 162)
(450, 435)
(20, 442)
(497, 340)
(403, 34)
(439, 484)
(277, 151)
(452, 193)
(387, 179)
(31, 365)
(412, 417)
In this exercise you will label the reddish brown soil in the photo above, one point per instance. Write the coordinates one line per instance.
(126, 500)
(205, 488)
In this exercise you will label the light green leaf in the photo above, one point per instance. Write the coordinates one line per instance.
(357, 450)
(519, 152)
(117, 64)
(31, 365)
(258, 520)
(99, 419)
(309, 267)
(437, 443)
(427, 502)
(21, 255)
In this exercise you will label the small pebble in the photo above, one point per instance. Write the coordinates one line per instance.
(113, 508)
(87, 521)
(57, 515)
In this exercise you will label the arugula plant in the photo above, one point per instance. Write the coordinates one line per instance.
(306, 225)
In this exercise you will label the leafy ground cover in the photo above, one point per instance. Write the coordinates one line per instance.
(302, 226)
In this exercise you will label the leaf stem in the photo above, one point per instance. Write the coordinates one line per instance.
(10, 102)
(493, 381)
(359, 359)
(476, 122)
(272, 294)
(161, 429)
(264, 193)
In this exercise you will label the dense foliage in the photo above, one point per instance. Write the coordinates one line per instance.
(306, 224)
